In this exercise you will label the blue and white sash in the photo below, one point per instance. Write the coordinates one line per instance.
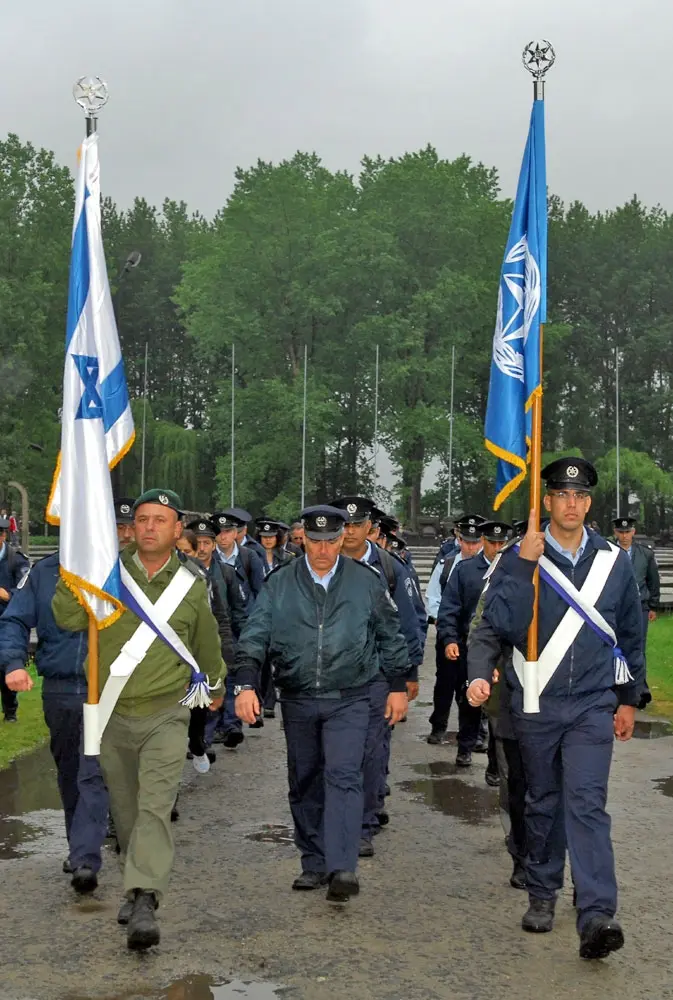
(534, 676)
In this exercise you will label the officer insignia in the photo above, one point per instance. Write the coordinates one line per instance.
(202, 527)
(22, 582)
(163, 499)
(321, 521)
(352, 508)
(125, 508)
(222, 520)
(267, 527)
(497, 530)
(572, 472)
(471, 520)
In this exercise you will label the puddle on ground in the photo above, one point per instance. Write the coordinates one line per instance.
(202, 988)
(31, 817)
(448, 794)
(272, 834)
(664, 785)
(651, 729)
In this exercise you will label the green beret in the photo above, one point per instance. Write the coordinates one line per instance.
(166, 498)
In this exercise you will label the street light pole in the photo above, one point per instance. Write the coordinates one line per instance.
(453, 373)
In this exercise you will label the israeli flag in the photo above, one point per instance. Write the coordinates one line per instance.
(522, 306)
(97, 425)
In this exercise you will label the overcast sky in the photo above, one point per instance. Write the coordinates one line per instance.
(198, 87)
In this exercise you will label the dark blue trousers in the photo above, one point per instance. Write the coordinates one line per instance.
(566, 752)
(80, 781)
(325, 749)
(377, 755)
(224, 718)
(450, 683)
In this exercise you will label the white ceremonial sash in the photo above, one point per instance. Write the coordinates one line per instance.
(534, 676)
(134, 650)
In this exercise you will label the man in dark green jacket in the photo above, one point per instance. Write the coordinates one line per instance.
(645, 569)
(143, 745)
(329, 625)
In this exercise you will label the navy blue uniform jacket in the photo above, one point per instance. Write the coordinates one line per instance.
(402, 594)
(460, 598)
(587, 668)
(60, 655)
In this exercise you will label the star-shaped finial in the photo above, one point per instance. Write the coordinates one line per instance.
(91, 93)
(538, 58)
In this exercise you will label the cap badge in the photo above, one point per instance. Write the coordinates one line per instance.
(163, 499)
(497, 529)
(572, 472)
(125, 508)
(471, 520)
(202, 527)
(321, 521)
(352, 508)
(266, 527)
(222, 520)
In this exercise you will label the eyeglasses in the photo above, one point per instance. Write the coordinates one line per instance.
(565, 496)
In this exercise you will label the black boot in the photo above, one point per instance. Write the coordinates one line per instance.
(84, 880)
(518, 877)
(309, 880)
(143, 929)
(232, 739)
(366, 849)
(383, 817)
(436, 737)
(125, 910)
(600, 936)
(463, 758)
(342, 885)
(539, 917)
(492, 778)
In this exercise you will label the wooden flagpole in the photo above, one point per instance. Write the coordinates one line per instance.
(93, 685)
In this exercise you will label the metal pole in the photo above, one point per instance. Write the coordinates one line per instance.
(303, 433)
(233, 413)
(453, 373)
(376, 417)
(142, 458)
(617, 421)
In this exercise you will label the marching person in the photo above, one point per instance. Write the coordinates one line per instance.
(445, 690)
(124, 519)
(13, 567)
(357, 512)
(647, 577)
(570, 704)
(244, 559)
(270, 534)
(297, 535)
(143, 745)
(59, 659)
(459, 602)
(330, 627)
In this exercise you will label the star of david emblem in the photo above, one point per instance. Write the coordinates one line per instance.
(572, 472)
(321, 521)
(90, 405)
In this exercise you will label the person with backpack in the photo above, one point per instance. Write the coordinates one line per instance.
(358, 512)
(13, 567)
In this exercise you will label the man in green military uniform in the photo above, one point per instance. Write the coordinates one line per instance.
(143, 744)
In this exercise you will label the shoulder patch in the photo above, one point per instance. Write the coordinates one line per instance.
(409, 587)
(23, 581)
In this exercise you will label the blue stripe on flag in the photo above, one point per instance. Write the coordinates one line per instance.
(78, 286)
(115, 396)
(113, 584)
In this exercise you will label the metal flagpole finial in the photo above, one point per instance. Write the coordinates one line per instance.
(538, 58)
(91, 93)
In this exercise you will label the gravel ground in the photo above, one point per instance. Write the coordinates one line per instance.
(436, 917)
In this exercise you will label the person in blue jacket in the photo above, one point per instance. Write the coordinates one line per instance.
(586, 698)
(357, 513)
(246, 562)
(13, 567)
(59, 659)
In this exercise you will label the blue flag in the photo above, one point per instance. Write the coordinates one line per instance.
(522, 305)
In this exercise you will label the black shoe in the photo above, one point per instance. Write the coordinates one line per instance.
(211, 755)
(84, 880)
(600, 936)
(111, 832)
(539, 917)
(232, 739)
(67, 867)
(518, 877)
(387, 791)
(492, 778)
(218, 737)
(269, 713)
(309, 880)
(463, 758)
(366, 849)
(10, 717)
(342, 885)
(189, 755)
(175, 813)
(383, 818)
(574, 897)
(143, 929)
(258, 724)
(125, 911)
(436, 737)
(481, 746)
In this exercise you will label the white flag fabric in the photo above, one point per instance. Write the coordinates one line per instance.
(97, 424)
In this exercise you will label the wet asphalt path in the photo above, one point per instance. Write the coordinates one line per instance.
(435, 919)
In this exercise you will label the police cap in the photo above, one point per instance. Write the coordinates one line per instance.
(265, 526)
(389, 524)
(227, 519)
(624, 523)
(165, 498)
(520, 528)
(570, 471)
(495, 531)
(124, 510)
(202, 527)
(323, 522)
(469, 519)
(356, 509)
(396, 543)
(469, 530)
